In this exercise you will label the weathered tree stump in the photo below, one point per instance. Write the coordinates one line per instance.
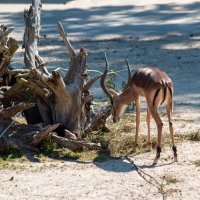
(58, 100)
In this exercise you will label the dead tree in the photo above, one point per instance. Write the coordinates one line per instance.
(59, 100)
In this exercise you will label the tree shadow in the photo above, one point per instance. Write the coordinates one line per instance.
(122, 20)
(115, 165)
(13, 154)
(29, 1)
(124, 165)
(174, 24)
(108, 163)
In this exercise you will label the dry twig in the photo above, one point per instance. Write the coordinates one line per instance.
(151, 180)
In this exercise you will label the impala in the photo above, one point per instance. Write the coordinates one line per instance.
(157, 88)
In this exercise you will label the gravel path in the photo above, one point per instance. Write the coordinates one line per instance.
(164, 34)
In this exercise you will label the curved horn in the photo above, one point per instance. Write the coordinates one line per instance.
(129, 72)
(103, 79)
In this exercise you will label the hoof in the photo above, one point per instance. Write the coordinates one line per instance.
(149, 148)
(175, 159)
(155, 162)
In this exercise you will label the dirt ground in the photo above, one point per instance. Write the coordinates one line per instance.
(164, 34)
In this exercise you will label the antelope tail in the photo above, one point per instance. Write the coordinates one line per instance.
(164, 88)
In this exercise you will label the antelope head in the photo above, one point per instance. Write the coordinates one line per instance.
(118, 103)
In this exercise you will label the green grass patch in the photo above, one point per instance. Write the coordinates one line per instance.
(169, 179)
(52, 150)
(121, 145)
(85, 155)
(193, 136)
(197, 163)
(49, 147)
(11, 155)
(65, 154)
(102, 138)
(118, 142)
(12, 159)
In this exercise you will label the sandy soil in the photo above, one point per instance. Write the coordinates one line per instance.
(164, 34)
(113, 179)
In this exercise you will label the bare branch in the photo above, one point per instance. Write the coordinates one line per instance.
(70, 135)
(98, 121)
(9, 112)
(44, 133)
(149, 179)
(70, 144)
(41, 64)
(4, 32)
(66, 41)
(90, 146)
(33, 87)
(12, 92)
(45, 79)
(75, 145)
(14, 72)
(89, 84)
(11, 46)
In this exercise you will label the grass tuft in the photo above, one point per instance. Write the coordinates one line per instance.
(121, 145)
(197, 163)
(169, 179)
(7, 160)
(11, 155)
(49, 147)
(193, 136)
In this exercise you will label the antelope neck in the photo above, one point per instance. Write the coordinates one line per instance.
(127, 96)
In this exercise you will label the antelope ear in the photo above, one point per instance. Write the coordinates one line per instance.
(113, 92)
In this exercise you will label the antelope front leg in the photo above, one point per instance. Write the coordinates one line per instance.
(137, 104)
(149, 148)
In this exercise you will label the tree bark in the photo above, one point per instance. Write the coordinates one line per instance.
(64, 102)
(8, 46)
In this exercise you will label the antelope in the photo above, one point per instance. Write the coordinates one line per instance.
(157, 88)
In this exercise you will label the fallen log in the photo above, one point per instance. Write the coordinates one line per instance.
(75, 145)
(67, 143)
(44, 134)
